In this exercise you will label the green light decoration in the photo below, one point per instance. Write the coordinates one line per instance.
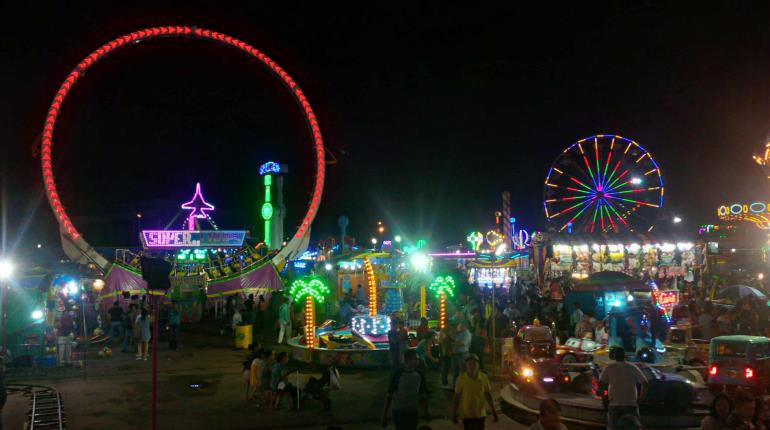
(267, 211)
(421, 243)
(475, 239)
(443, 285)
(312, 286)
(267, 208)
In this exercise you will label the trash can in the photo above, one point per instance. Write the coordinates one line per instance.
(243, 336)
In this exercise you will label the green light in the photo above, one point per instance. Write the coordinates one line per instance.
(443, 284)
(422, 243)
(313, 286)
(268, 180)
(267, 211)
(267, 233)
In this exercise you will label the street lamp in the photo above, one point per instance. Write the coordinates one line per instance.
(374, 241)
(677, 220)
(397, 238)
(6, 272)
(328, 267)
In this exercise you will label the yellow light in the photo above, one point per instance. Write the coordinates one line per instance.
(442, 311)
(371, 282)
(527, 372)
(309, 322)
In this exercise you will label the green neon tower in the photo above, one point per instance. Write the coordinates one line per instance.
(273, 211)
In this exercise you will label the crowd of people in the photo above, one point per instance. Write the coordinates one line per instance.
(132, 328)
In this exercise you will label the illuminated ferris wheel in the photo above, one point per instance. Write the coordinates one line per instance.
(601, 184)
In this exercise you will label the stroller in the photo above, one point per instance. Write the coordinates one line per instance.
(319, 389)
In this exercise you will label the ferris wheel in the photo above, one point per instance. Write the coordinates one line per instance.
(602, 184)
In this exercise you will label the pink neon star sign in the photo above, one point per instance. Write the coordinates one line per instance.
(197, 207)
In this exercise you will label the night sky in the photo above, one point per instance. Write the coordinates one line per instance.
(432, 110)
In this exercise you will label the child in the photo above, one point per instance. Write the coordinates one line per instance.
(279, 383)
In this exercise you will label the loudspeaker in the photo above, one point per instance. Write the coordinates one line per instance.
(156, 272)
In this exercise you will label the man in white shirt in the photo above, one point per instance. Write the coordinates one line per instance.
(622, 379)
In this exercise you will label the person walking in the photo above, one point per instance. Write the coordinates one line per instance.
(284, 320)
(174, 318)
(261, 311)
(622, 378)
(575, 317)
(143, 321)
(460, 350)
(249, 304)
(64, 335)
(550, 416)
(406, 390)
(116, 323)
(445, 342)
(472, 389)
(128, 329)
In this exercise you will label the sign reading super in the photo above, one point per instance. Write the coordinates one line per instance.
(192, 238)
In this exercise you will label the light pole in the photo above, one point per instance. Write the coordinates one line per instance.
(6, 271)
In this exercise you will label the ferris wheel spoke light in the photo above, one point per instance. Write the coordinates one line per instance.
(570, 208)
(614, 170)
(615, 212)
(580, 183)
(576, 215)
(590, 172)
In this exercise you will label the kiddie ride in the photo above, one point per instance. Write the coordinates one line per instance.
(570, 374)
(344, 346)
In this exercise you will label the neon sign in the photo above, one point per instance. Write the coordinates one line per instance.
(475, 239)
(742, 209)
(197, 207)
(756, 212)
(269, 167)
(668, 299)
(494, 238)
(170, 239)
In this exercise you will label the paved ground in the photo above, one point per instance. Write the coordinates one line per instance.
(114, 393)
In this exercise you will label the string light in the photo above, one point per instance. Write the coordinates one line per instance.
(371, 281)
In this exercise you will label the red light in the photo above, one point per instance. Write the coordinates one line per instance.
(749, 373)
(154, 32)
(713, 370)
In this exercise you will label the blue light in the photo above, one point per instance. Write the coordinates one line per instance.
(300, 264)
(269, 167)
(374, 326)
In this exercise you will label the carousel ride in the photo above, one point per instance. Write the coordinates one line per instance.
(201, 256)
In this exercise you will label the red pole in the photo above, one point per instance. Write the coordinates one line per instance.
(5, 320)
(154, 361)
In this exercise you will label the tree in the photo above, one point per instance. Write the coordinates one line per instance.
(311, 289)
(441, 287)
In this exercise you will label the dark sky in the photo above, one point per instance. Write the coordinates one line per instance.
(431, 109)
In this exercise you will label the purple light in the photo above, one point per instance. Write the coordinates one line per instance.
(453, 254)
(170, 239)
(197, 207)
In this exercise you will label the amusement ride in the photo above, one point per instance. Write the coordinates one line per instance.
(603, 183)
